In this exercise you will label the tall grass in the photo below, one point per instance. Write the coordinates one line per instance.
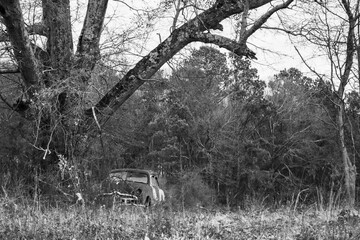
(21, 219)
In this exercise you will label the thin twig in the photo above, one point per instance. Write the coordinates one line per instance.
(306, 64)
(96, 120)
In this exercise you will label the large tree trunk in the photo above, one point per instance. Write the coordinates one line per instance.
(349, 167)
(56, 15)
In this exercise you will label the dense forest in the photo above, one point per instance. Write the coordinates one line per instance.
(199, 114)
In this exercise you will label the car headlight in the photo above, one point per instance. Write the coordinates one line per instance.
(161, 195)
(154, 193)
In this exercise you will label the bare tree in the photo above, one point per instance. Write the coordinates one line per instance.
(330, 28)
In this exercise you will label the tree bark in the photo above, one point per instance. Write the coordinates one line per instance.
(349, 167)
(88, 52)
(19, 38)
(57, 21)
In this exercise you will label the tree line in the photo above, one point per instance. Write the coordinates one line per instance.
(215, 130)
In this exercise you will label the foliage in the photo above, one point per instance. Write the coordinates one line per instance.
(336, 23)
(212, 127)
(303, 142)
(211, 131)
(191, 191)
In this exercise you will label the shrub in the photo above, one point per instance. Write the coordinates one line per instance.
(190, 191)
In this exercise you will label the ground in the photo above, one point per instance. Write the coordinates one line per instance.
(20, 220)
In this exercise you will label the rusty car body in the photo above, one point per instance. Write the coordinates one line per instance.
(129, 186)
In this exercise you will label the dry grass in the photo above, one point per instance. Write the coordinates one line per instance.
(31, 221)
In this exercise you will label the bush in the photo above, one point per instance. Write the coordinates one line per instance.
(189, 190)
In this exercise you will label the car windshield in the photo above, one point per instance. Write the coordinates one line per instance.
(137, 177)
(118, 176)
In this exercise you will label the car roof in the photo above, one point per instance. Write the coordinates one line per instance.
(133, 170)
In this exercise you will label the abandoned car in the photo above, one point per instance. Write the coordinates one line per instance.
(132, 186)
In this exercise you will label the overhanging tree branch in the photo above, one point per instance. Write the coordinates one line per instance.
(258, 23)
(18, 35)
(34, 29)
(189, 32)
(233, 46)
(60, 53)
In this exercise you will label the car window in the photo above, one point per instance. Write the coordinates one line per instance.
(118, 175)
(137, 177)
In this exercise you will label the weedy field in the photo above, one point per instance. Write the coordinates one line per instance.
(32, 221)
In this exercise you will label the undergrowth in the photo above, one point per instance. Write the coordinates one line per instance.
(24, 220)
